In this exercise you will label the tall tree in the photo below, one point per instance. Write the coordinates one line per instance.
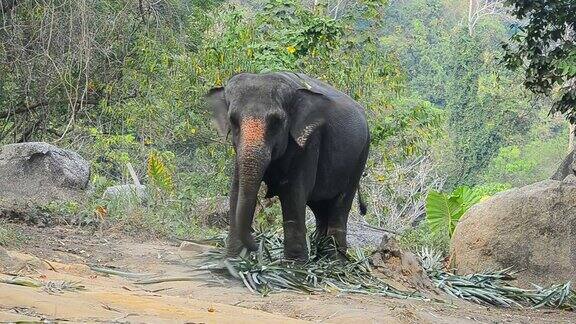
(544, 47)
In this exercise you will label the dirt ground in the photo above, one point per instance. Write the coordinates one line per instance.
(65, 254)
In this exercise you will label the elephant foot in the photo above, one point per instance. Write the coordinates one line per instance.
(251, 244)
(332, 245)
(233, 250)
(296, 256)
(235, 247)
(339, 236)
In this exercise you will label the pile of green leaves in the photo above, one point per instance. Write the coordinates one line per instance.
(492, 288)
(265, 271)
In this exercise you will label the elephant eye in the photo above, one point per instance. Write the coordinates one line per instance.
(234, 120)
(274, 122)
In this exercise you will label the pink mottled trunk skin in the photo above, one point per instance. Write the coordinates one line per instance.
(253, 159)
(252, 133)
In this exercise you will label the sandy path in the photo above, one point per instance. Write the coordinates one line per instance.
(113, 299)
(117, 299)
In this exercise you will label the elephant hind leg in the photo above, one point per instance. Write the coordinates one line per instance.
(338, 220)
(331, 218)
(321, 210)
(340, 209)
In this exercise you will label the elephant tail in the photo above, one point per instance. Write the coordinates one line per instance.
(361, 203)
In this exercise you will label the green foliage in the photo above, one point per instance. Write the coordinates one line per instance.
(443, 211)
(110, 153)
(517, 166)
(155, 216)
(9, 235)
(488, 109)
(410, 126)
(493, 289)
(159, 173)
(269, 217)
(283, 35)
(266, 270)
(132, 92)
(207, 174)
(420, 237)
(459, 72)
(491, 188)
(543, 47)
(81, 214)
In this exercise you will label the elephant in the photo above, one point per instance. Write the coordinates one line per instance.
(307, 141)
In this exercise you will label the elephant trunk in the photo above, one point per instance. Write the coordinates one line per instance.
(251, 167)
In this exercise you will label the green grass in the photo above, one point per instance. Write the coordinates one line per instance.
(416, 238)
(157, 216)
(162, 218)
(9, 234)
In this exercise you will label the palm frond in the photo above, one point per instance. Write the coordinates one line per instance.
(265, 271)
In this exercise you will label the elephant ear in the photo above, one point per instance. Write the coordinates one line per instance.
(219, 106)
(307, 117)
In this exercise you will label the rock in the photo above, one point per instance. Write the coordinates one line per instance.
(400, 265)
(566, 168)
(194, 247)
(361, 235)
(570, 178)
(213, 211)
(127, 192)
(530, 228)
(35, 174)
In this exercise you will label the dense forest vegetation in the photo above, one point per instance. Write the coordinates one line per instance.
(124, 81)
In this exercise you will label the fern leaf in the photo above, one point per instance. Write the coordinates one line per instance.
(158, 173)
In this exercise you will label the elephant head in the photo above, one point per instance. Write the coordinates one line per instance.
(259, 112)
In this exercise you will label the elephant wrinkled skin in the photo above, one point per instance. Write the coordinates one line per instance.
(306, 140)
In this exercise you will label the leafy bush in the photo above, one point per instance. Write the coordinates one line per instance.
(520, 165)
(130, 90)
(419, 237)
(9, 235)
(490, 189)
(159, 173)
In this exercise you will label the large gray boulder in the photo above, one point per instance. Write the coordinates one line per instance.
(35, 174)
(532, 228)
(361, 235)
(213, 211)
(128, 192)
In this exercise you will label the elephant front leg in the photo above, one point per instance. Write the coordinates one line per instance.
(294, 223)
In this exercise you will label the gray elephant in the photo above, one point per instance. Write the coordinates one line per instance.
(306, 140)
